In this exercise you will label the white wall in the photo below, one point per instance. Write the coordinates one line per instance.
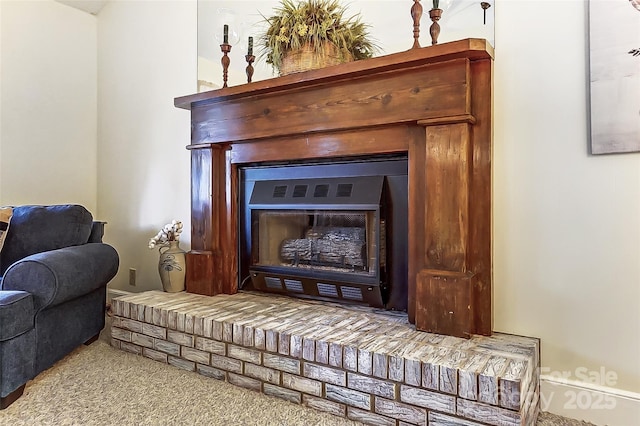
(566, 227)
(390, 26)
(146, 57)
(566, 224)
(48, 104)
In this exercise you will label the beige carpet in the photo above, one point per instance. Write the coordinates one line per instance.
(100, 385)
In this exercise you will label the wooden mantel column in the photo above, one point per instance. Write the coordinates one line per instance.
(212, 261)
(440, 260)
(433, 104)
(452, 264)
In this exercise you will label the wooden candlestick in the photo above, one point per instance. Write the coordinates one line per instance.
(434, 30)
(416, 14)
(226, 48)
(249, 59)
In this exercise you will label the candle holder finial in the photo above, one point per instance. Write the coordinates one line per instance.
(249, 59)
(434, 29)
(226, 48)
(416, 14)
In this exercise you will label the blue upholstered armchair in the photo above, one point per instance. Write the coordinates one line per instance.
(54, 269)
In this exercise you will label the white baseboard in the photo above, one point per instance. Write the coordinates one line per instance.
(112, 292)
(591, 402)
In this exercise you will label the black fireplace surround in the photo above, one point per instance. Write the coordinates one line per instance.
(333, 231)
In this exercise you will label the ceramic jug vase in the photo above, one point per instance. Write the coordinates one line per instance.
(172, 267)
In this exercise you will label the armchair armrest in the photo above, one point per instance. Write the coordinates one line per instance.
(56, 276)
(16, 314)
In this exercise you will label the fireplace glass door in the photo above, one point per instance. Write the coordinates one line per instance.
(317, 241)
(330, 231)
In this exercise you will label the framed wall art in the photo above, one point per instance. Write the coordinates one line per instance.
(614, 54)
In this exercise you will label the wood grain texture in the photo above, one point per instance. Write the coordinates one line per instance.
(446, 226)
(472, 49)
(201, 198)
(416, 217)
(211, 267)
(480, 223)
(443, 302)
(372, 100)
(199, 272)
(353, 142)
(435, 104)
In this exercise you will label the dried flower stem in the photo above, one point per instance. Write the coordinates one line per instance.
(170, 232)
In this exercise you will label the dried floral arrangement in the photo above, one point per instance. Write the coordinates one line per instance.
(297, 23)
(169, 232)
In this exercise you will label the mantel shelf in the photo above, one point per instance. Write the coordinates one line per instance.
(471, 48)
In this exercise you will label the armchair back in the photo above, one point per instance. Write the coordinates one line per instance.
(36, 229)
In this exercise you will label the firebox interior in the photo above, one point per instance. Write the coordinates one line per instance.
(326, 237)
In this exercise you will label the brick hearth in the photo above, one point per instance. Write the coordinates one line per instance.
(369, 366)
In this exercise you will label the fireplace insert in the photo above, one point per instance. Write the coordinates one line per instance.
(329, 231)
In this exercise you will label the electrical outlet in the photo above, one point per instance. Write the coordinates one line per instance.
(132, 276)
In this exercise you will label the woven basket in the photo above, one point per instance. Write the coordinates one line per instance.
(306, 58)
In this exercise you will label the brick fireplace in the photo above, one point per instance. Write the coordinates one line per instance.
(428, 110)
(367, 366)
(432, 105)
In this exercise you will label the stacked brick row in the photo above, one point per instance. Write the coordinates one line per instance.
(360, 365)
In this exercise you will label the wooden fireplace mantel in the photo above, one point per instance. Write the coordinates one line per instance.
(433, 104)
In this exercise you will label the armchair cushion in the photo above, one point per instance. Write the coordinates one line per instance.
(36, 229)
(57, 276)
(16, 314)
